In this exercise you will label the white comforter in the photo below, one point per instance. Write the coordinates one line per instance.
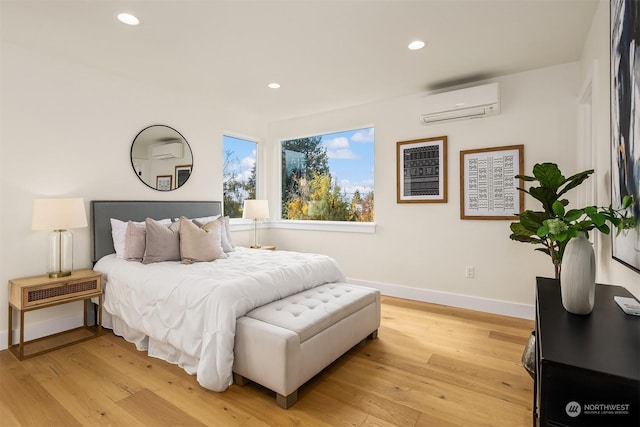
(194, 308)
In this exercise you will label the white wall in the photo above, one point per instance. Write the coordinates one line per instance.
(426, 247)
(595, 68)
(67, 131)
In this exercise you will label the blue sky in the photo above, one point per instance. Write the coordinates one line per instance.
(244, 156)
(350, 158)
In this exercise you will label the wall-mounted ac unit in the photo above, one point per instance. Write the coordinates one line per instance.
(167, 151)
(470, 103)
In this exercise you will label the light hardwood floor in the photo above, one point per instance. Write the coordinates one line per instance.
(430, 366)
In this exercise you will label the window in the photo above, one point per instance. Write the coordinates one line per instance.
(328, 177)
(239, 174)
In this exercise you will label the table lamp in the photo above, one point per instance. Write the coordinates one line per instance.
(255, 210)
(59, 215)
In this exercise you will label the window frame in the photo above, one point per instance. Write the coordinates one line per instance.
(239, 224)
(318, 225)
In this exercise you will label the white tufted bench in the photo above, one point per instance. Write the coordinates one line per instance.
(283, 344)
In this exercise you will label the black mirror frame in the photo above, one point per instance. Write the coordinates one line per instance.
(176, 178)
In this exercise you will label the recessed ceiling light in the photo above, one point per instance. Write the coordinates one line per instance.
(274, 85)
(128, 19)
(416, 45)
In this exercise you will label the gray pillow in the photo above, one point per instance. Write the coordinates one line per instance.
(200, 244)
(163, 242)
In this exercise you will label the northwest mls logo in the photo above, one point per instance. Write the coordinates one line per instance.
(573, 409)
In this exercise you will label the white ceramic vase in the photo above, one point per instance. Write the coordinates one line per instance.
(578, 276)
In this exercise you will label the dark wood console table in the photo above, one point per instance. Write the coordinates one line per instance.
(587, 367)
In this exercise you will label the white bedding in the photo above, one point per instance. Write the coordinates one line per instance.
(189, 312)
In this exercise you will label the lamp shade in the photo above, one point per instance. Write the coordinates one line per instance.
(58, 214)
(255, 209)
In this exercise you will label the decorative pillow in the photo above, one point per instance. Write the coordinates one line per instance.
(163, 242)
(135, 241)
(119, 230)
(227, 232)
(206, 219)
(227, 246)
(200, 244)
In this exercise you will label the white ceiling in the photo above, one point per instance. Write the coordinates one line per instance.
(325, 54)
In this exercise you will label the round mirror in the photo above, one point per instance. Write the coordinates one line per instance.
(161, 158)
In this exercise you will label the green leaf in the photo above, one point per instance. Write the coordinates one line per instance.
(545, 195)
(561, 237)
(543, 231)
(573, 215)
(598, 219)
(627, 201)
(549, 175)
(525, 178)
(585, 225)
(628, 223)
(532, 220)
(590, 210)
(575, 180)
(558, 208)
(615, 221)
(545, 250)
(604, 228)
(518, 229)
(525, 239)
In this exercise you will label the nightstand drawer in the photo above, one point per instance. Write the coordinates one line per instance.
(42, 290)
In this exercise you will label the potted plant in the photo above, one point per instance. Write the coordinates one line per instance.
(554, 226)
(563, 233)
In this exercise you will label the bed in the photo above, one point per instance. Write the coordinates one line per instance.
(187, 313)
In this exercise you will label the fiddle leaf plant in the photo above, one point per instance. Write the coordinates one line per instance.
(554, 225)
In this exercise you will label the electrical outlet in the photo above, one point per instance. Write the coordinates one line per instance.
(470, 271)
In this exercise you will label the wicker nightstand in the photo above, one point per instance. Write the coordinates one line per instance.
(33, 293)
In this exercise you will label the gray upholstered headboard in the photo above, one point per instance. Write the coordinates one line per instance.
(103, 210)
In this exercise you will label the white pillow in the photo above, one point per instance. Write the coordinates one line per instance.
(227, 232)
(119, 231)
(205, 219)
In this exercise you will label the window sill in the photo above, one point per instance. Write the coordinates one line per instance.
(337, 226)
(239, 224)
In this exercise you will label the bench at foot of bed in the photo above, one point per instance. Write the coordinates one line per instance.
(283, 344)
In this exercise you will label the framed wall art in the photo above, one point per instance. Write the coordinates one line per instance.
(625, 123)
(163, 182)
(488, 183)
(422, 170)
(182, 174)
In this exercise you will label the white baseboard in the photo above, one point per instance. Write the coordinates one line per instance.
(486, 305)
(34, 330)
(505, 308)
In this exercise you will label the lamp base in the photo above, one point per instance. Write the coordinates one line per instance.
(60, 260)
(55, 274)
